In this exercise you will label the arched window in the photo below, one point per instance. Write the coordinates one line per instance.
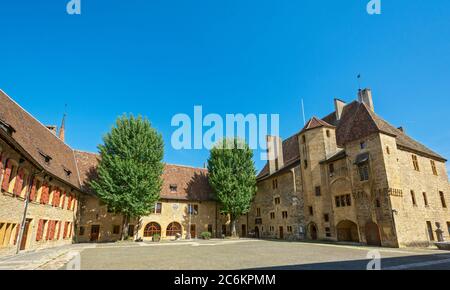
(152, 229)
(173, 229)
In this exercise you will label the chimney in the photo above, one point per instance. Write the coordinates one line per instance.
(339, 106)
(62, 129)
(365, 96)
(275, 153)
(52, 128)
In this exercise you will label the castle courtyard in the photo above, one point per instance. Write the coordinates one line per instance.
(227, 255)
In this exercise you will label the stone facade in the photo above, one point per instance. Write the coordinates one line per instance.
(356, 182)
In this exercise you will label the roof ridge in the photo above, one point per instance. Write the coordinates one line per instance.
(36, 119)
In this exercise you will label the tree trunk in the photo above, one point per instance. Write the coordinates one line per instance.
(125, 228)
(233, 228)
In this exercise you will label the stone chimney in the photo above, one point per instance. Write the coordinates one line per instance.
(275, 153)
(365, 96)
(339, 107)
(52, 128)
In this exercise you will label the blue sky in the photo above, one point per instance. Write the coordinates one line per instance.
(161, 57)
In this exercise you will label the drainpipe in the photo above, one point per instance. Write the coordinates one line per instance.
(24, 218)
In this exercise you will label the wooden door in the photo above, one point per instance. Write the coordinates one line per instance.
(372, 234)
(95, 232)
(23, 243)
(281, 233)
(193, 232)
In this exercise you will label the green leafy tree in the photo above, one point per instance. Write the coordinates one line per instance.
(232, 176)
(130, 168)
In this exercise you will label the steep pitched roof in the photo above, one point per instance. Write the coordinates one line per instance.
(291, 154)
(39, 142)
(192, 183)
(313, 123)
(359, 121)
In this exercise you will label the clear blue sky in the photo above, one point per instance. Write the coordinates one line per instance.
(161, 57)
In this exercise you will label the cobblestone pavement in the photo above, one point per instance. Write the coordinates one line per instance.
(225, 255)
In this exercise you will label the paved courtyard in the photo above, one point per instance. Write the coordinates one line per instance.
(255, 254)
(227, 255)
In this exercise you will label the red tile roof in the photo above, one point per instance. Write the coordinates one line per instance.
(38, 141)
(191, 183)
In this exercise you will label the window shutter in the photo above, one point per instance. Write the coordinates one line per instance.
(63, 199)
(39, 230)
(33, 190)
(69, 204)
(44, 195)
(19, 182)
(59, 230)
(5, 184)
(65, 230)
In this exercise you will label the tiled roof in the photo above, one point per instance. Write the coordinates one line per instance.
(313, 123)
(359, 121)
(38, 141)
(191, 183)
(291, 154)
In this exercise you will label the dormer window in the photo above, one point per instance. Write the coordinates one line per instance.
(6, 127)
(173, 188)
(67, 171)
(47, 158)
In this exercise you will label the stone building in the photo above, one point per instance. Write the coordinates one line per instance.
(186, 207)
(34, 162)
(355, 178)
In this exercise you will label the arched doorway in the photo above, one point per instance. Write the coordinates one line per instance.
(152, 229)
(372, 234)
(173, 229)
(347, 231)
(312, 231)
(257, 232)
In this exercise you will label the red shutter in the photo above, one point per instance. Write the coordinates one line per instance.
(69, 204)
(63, 199)
(65, 230)
(33, 190)
(40, 230)
(5, 184)
(19, 182)
(44, 194)
(59, 230)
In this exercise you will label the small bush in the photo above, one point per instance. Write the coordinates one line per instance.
(205, 235)
(156, 238)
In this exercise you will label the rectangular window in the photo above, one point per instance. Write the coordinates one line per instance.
(326, 217)
(311, 211)
(116, 229)
(430, 231)
(305, 163)
(441, 195)
(274, 183)
(328, 232)
(277, 200)
(158, 208)
(338, 201)
(272, 215)
(413, 198)
(289, 229)
(425, 199)
(258, 212)
(193, 209)
(448, 227)
(210, 228)
(415, 163)
(318, 193)
(81, 231)
(331, 168)
(363, 172)
(348, 199)
(433, 167)
(284, 214)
